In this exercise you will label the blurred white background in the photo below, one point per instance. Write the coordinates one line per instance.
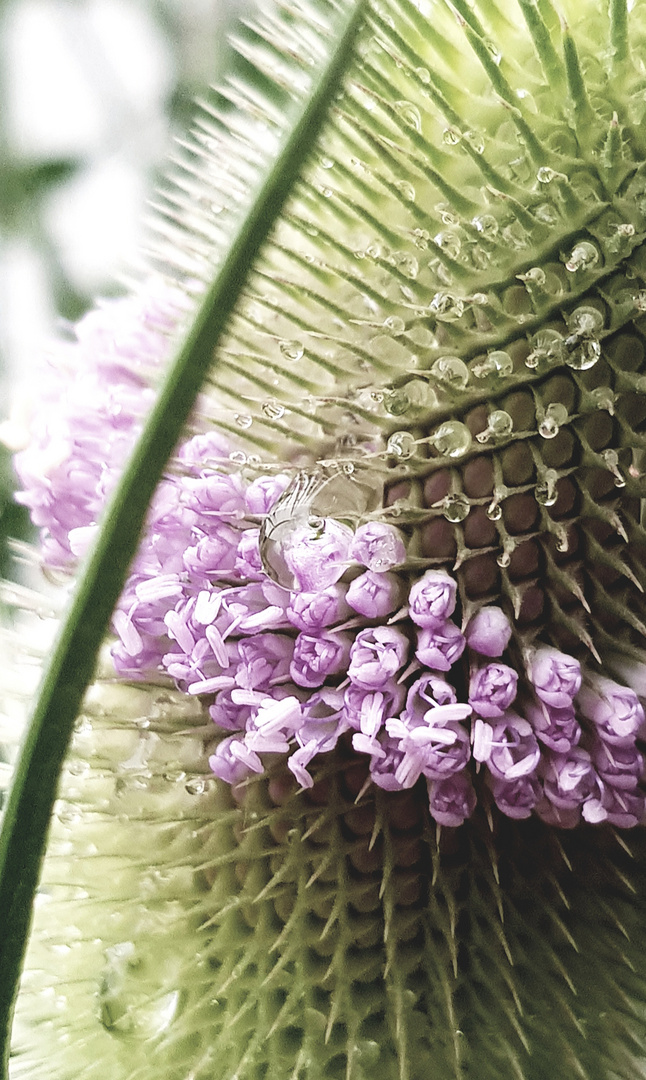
(92, 93)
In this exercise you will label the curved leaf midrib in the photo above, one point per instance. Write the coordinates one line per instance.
(30, 802)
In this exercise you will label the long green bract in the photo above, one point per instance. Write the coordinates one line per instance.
(73, 658)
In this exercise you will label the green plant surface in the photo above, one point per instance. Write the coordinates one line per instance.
(453, 181)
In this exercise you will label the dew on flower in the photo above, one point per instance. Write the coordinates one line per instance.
(394, 324)
(272, 409)
(446, 307)
(499, 426)
(456, 507)
(401, 444)
(545, 491)
(451, 370)
(452, 439)
(604, 398)
(553, 419)
(486, 225)
(291, 350)
(611, 459)
(476, 141)
(409, 113)
(546, 175)
(495, 363)
(451, 136)
(449, 243)
(584, 256)
(548, 346)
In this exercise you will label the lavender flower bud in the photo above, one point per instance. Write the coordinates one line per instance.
(233, 761)
(620, 767)
(508, 746)
(614, 710)
(248, 564)
(216, 497)
(516, 798)
(432, 598)
(212, 555)
(312, 611)
(556, 728)
(624, 809)
(426, 693)
(384, 760)
(437, 748)
(264, 492)
(452, 800)
(318, 556)
(492, 689)
(366, 710)
(378, 546)
(555, 676)
(264, 659)
(570, 779)
(375, 595)
(376, 656)
(488, 631)
(439, 647)
(318, 656)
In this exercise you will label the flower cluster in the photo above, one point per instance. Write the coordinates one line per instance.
(335, 635)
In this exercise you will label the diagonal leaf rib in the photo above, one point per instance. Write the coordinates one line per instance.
(30, 802)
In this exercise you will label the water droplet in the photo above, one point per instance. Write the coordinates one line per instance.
(326, 163)
(291, 350)
(451, 136)
(449, 243)
(398, 403)
(548, 346)
(562, 539)
(585, 320)
(555, 416)
(494, 510)
(423, 74)
(409, 113)
(456, 507)
(504, 559)
(131, 1002)
(451, 370)
(243, 420)
(585, 355)
(408, 265)
(197, 785)
(495, 363)
(545, 175)
(535, 277)
(582, 257)
(406, 190)
(486, 225)
(348, 468)
(317, 508)
(499, 426)
(272, 409)
(238, 457)
(446, 307)
(546, 213)
(475, 141)
(447, 214)
(604, 398)
(395, 325)
(421, 238)
(401, 444)
(452, 439)
(545, 491)
(611, 458)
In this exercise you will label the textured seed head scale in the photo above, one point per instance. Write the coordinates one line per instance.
(460, 258)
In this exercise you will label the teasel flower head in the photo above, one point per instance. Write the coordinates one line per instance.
(356, 773)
